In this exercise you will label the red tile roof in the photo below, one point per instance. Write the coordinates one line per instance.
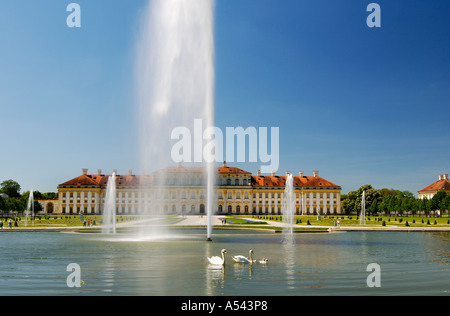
(231, 170)
(102, 180)
(280, 181)
(443, 184)
(257, 181)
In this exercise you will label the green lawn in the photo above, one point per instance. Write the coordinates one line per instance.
(413, 221)
(64, 220)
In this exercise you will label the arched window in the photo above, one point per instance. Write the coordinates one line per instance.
(246, 209)
(49, 207)
(202, 208)
(228, 181)
(236, 182)
(230, 209)
(245, 181)
(238, 209)
(219, 209)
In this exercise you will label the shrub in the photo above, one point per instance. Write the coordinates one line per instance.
(384, 223)
(407, 224)
(308, 223)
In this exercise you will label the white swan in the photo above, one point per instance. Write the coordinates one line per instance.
(218, 260)
(263, 260)
(242, 259)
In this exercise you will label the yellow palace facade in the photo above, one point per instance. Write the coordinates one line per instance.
(181, 190)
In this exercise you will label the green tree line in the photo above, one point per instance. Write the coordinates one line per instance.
(17, 202)
(390, 201)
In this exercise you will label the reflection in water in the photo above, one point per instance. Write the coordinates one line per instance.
(215, 279)
(242, 271)
(438, 246)
(215, 274)
(289, 259)
(109, 273)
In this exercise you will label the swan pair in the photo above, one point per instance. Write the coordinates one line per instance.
(237, 259)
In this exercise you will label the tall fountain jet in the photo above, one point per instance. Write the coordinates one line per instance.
(30, 208)
(289, 203)
(109, 209)
(175, 86)
(362, 219)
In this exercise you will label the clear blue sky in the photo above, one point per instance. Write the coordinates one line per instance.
(360, 104)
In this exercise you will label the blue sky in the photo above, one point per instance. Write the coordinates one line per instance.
(361, 105)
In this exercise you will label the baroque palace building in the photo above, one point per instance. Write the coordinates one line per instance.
(182, 190)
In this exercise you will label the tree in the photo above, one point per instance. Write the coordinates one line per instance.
(50, 195)
(2, 204)
(348, 204)
(14, 205)
(424, 205)
(433, 203)
(11, 188)
(438, 197)
(352, 202)
(385, 192)
(407, 195)
(373, 208)
(371, 195)
(445, 203)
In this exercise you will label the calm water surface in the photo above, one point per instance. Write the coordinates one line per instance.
(312, 264)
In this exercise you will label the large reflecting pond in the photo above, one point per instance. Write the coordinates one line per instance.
(310, 264)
